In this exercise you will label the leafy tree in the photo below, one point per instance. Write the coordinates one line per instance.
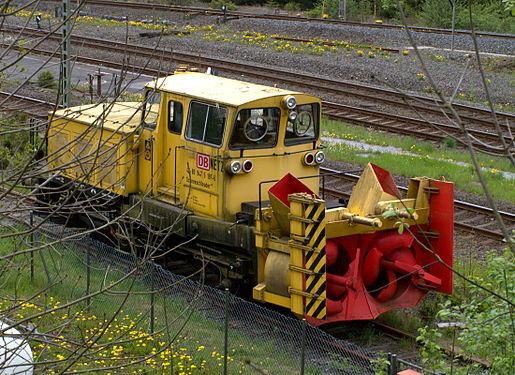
(486, 323)
(437, 13)
(487, 317)
(488, 15)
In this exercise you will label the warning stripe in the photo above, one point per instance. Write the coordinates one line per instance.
(317, 211)
(314, 260)
(317, 263)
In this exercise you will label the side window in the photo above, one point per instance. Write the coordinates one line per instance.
(305, 128)
(175, 115)
(206, 123)
(256, 128)
(151, 108)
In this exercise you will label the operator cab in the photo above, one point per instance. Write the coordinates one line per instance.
(209, 142)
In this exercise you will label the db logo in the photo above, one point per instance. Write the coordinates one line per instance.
(203, 161)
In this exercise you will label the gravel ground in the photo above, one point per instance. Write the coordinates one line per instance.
(346, 65)
(343, 65)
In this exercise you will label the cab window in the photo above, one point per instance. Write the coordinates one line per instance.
(305, 127)
(206, 123)
(151, 108)
(175, 117)
(256, 128)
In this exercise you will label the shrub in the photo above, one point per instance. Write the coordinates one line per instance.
(486, 329)
(292, 6)
(488, 16)
(449, 142)
(46, 79)
(437, 13)
(356, 10)
(217, 4)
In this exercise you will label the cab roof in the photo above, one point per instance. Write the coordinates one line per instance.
(216, 89)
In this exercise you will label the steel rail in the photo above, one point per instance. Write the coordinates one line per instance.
(32, 106)
(282, 17)
(419, 102)
(460, 205)
(465, 207)
(477, 116)
(405, 125)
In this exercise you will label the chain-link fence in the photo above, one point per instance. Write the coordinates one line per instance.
(240, 336)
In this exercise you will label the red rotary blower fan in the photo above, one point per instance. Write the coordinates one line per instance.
(370, 265)
(370, 273)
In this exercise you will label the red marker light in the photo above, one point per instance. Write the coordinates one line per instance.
(248, 165)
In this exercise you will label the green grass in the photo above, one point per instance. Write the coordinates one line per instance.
(421, 159)
(198, 348)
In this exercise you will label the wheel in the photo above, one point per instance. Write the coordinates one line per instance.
(303, 123)
(255, 128)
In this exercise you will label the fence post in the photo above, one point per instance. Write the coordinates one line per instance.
(303, 347)
(151, 299)
(115, 86)
(393, 367)
(90, 80)
(88, 300)
(31, 244)
(46, 270)
(226, 328)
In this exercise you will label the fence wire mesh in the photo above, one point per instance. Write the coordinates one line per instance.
(201, 322)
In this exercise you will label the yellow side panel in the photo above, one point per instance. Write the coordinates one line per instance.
(202, 181)
(203, 201)
(93, 156)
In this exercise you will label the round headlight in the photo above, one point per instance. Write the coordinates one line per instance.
(292, 116)
(308, 159)
(235, 167)
(319, 157)
(248, 165)
(290, 102)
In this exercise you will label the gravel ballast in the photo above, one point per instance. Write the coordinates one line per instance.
(403, 74)
(399, 71)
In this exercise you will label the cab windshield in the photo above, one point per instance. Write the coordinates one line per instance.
(256, 128)
(305, 126)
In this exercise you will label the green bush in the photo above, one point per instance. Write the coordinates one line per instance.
(486, 322)
(15, 142)
(437, 13)
(292, 6)
(356, 10)
(488, 16)
(217, 4)
(449, 142)
(286, 4)
(46, 79)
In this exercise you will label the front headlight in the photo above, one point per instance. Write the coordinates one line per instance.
(235, 167)
(289, 102)
(319, 157)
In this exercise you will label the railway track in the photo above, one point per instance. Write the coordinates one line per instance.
(468, 217)
(31, 106)
(478, 121)
(282, 17)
